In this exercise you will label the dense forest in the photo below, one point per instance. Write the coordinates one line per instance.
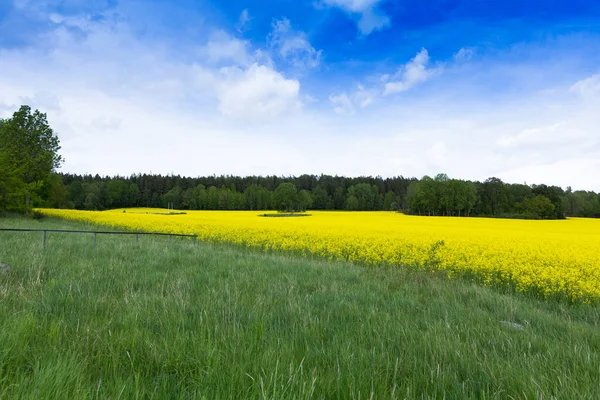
(428, 196)
(29, 160)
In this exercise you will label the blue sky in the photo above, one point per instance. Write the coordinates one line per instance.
(472, 88)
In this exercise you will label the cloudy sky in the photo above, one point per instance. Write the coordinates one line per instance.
(472, 88)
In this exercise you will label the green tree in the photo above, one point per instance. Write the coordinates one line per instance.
(365, 194)
(389, 202)
(428, 194)
(76, 195)
(29, 154)
(200, 197)
(224, 198)
(414, 197)
(116, 193)
(172, 199)
(12, 189)
(339, 198)
(461, 197)
(493, 196)
(256, 198)
(470, 197)
(321, 200)
(133, 195)
(304, 200)
(94, 199)
(54, 192)
(377, 197)
(284, 197)
(554, 194)
(212, 198)
(352, 203)
(516, 193)
(443, 194)
(539, 206)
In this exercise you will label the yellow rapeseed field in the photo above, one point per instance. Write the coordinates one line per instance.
(548, 258)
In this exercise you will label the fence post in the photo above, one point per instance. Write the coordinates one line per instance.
(95, 234)
(195, 242)
(137, 237)
(44, 240)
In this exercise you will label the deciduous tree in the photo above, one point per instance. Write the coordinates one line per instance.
(29, 155)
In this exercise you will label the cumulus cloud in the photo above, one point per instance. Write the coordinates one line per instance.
(366, 13)
(414, 72)
(109, 86)
(292, 45)
(256, 93)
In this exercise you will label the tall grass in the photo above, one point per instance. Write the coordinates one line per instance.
(155, 320)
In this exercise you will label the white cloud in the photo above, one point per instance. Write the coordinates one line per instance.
(347, 104)
(82, 22)
(555, 134)
(244, 21)
(364, 97)
(257, 93)
(372, 20)
(464, 54)
(356, 6)
(105, 123)
(224, 48)
(341, 104)
(411, 74)
(568, 171)
(107, 93)
(292, 45)
(369, 17)
(43, 100)
(588, 88)
(438, 152)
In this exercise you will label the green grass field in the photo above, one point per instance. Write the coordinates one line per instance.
(161, 321)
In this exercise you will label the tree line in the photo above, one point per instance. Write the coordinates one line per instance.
(29, 159)
(439, 196)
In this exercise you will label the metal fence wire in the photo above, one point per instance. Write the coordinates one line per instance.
(96, 233)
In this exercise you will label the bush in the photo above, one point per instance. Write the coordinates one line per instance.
(35, 214)
(523, 215)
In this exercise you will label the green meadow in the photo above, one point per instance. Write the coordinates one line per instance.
(161, 320)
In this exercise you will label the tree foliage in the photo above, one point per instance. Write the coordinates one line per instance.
(28, 157)
(441, 196)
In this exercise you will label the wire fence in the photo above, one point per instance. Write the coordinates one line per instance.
(96, 233)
